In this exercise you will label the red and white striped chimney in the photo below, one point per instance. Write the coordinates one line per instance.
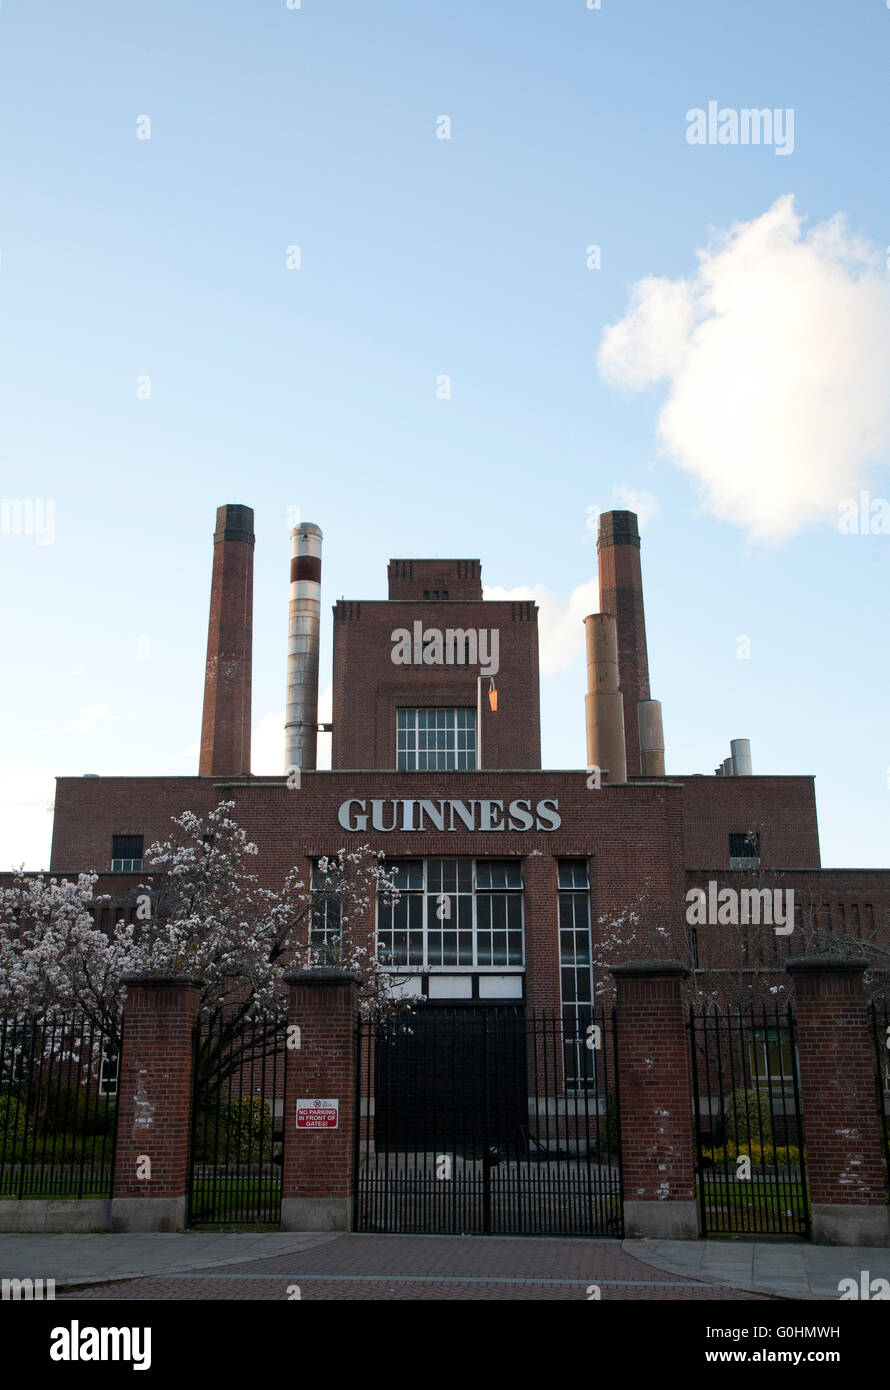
(303, 637)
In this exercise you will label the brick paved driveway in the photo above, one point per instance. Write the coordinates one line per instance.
(383, 1267)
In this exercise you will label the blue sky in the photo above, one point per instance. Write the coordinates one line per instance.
(315, 388)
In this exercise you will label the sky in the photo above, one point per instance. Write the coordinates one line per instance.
(447, 279)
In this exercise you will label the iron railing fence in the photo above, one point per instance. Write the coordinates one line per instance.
(751, 1164)
(58, 1106)
(879, 1010)
(237, 1119)
(487, 1120)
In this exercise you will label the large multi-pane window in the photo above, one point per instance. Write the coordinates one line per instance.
(453, 912)
(576, 968)
(439, 740)
(326, 927)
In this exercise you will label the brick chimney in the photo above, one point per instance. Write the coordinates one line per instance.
(225, 731)
(621, 594)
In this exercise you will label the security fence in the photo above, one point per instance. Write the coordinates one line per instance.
(58, 1107)
(879, 1011)
(237, 1119)
(751, 1167)
(487, 1120)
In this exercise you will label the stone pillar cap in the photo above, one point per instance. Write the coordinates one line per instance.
(825, 963)
(162, 978)
(651, 967)
(321, 975)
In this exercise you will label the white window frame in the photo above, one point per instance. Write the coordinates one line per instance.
(430, 902)
(408, 753)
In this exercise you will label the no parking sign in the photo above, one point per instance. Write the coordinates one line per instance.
(318, 1114)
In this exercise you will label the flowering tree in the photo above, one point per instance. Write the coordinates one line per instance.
(203, 916)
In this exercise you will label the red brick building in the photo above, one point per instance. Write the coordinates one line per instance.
(507, 868)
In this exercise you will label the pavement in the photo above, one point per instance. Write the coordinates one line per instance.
(233, 1266)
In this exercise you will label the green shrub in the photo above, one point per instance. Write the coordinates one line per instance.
(235, 1132)
(785, 1155)
(749, 1117)
(15, 1123)
(74, 1109)
(608, 1127)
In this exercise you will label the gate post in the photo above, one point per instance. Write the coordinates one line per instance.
(317, 1168)
(154, 1096)
(655, 1093)
(840, 1120)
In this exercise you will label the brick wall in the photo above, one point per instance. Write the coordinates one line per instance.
(782, 809)
(369, 687)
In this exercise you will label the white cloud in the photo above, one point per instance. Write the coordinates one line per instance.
(267, 746)
(560, 620)
(90, 718)
(777, 351)
(26, 819)
(637, 500)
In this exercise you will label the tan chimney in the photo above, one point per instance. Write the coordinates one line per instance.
(604, 703)
(651, 738)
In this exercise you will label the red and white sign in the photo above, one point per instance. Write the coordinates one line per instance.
(318, 1114)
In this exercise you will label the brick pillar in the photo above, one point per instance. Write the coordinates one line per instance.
(151, 1162)
(655, 1088)
(316, 1192)
(539, 886)
(837, 1082)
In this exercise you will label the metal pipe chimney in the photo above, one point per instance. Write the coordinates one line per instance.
(303, 636)
(741, 757)
(651, 738)
(604, 703)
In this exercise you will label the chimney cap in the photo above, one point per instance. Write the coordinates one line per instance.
(234, 522)
(618, 528)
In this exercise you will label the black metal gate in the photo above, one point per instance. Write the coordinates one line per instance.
(880, 1022)
(487, 1120)
(237, 1119)
(751, 1168)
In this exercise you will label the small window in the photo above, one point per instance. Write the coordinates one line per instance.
(108, 1072)
(572, 873)
(126, 854)
(326, 931)
(771, 1059)
(744, 850)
